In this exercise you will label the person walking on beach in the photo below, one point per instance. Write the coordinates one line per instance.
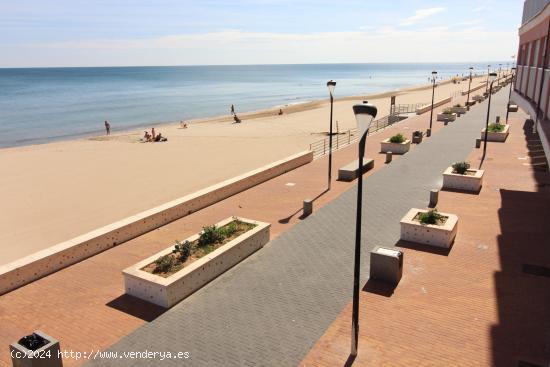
(107, 127)
(233, 110)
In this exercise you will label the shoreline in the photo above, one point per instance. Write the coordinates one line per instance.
(248, 115)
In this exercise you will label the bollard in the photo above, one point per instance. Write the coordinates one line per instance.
(308, 207)
(434, 196)
(458, 114)
(478, 142)
(468, 107)
(389, 156)
(446, 122)
(428, 133)
(498, 119)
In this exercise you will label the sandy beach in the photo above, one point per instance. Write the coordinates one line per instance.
(57, 191)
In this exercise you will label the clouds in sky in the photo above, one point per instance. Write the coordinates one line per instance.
(181, 32)
(420, 15)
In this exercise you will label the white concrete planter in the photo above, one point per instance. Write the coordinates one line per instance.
(461, 110)
(46, 356)
(434, 235)
(513, 108)
(166, 292)
(395, 148)
(448, 116)
(469, 182)
(498, 137)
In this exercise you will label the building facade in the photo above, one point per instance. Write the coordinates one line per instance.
(532, 85)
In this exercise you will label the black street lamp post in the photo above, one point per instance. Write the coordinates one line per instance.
(331, 84)
(434, 73)
(491, 79)
(510, 95)
(488, 72)
(469, 85)
(364, 114)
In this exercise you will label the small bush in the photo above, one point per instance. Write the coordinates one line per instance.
(495, 128)
(398, 138)
(447, 111)
(458, 105)
(430, 217)
(165, 264)
(461, 167)
(183, 250)
(210, 235)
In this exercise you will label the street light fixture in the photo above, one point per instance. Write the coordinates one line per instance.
(469, 85)
(510, 94)
(364, 114)
(434, 75)
(331, 84)
(492, 77)
(488, 72)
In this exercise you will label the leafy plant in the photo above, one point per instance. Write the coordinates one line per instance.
(495, 127)
(417, 133)
(210, 235)
(458, 105)
(447, 111)
(165, 264)
(397, 138)
(183, 250)
(430, 217)
(461, 167)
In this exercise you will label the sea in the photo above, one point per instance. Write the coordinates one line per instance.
(40, 105)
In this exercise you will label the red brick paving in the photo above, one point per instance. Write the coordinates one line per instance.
(472, 306)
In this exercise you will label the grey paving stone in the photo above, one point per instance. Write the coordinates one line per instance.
(272, 308)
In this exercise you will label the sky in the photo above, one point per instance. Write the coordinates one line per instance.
(49, 33)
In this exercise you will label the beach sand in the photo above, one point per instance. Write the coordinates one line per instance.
(54, 192)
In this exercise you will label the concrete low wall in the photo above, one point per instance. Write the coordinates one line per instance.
(52, 259)
(441, 102)
(465, 93)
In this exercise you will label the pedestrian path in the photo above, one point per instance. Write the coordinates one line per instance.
(272, 308)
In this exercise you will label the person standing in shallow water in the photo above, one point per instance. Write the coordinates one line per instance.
(107, 127)
(233, 110)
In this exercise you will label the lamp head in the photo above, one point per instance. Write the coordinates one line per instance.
(364, 114)
(514, 68)
(434, 73)
(492, 77)
(331, 84)
(471, 68)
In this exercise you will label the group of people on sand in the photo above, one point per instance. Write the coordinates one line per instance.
(153, 137)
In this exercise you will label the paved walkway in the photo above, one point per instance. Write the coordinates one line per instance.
(272, 308)
(475, 305)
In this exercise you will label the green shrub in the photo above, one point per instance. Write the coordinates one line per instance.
(495, 128)
(210, 235)
(183, 250)
(447, 111)
(458, 105)
(430, 217)
(164, 264)
(397, 138)
(461, 167)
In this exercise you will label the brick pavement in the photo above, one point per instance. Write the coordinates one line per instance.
(270, 310)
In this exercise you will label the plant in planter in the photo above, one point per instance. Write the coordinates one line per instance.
(459, 109)
(496, 132)
(446, 115)
(429, 227)
(397, 144)
(37, 349)
(175, 272)
(461, 177)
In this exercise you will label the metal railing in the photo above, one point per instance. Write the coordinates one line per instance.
(408, 108)
(340, 140)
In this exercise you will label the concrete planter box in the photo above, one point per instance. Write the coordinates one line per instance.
(428, 234)
(446, 116)
(478, 98)
(468, 182)
(461, 110)
(45, 356)
(513, 108)
(470, 103)
(166, 292)
(395, 148)
(498, 137)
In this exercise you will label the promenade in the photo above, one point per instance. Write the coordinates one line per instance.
(274, 306)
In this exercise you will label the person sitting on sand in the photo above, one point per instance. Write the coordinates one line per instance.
(147, 136)
(280, 111)
(237, 119)
(160, 138)
(183, 125)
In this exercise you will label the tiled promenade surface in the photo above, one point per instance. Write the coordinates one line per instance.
(271, 309)
(472, 306)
